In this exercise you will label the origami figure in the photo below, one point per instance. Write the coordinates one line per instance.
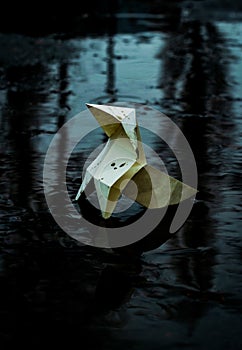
(122, 160)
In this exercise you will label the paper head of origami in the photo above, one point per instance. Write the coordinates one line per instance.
(123, 159)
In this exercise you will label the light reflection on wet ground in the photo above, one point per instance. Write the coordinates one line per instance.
(185, 293)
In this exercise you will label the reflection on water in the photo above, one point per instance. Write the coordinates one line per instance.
(183, 60)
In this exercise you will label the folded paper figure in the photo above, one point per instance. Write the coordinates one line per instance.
(121, 167)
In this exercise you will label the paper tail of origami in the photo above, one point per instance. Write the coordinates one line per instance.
(157, 189)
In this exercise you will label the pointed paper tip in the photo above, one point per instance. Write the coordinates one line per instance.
(106, 215)
(94, 105)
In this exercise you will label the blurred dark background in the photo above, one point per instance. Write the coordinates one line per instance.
(180, 57)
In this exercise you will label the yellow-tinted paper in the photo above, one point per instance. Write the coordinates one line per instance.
(122, 160)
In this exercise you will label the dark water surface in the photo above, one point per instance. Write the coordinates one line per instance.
(183, 60)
